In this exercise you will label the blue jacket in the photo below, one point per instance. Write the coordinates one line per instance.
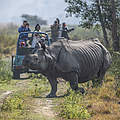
(23, 29)
(27, 30)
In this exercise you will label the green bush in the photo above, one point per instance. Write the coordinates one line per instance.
(5, 72)
(115, 70)
(15, 102)
(73, 107)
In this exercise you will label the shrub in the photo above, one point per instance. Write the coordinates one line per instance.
(5, 72)
(8, 39)
(73, 107)
(12, 103)
(115, 70)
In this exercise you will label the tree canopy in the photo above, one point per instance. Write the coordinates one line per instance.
(95, 12)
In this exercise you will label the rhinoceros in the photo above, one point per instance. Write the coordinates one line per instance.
(74, 61)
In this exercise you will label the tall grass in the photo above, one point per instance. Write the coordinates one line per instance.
(81, 34)
(115, 70)
(5, 72)
(8, 39)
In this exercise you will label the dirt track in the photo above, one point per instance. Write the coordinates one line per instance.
(40, 106)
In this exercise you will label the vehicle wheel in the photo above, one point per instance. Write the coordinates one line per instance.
(16, 75)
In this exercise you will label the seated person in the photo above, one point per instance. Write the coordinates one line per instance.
(36, 38)
(37, 28)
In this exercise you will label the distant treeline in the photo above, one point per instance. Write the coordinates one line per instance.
(33, 19)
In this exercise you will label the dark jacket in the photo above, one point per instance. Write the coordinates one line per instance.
(65, 32)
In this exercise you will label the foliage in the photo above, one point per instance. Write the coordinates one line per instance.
(14, 107)
(115, 70)
(33, 19)
(13, 103)
(40, 84)
(73, 107)
(97, 12)
(8, 39)
(5, 72)
(88, 12)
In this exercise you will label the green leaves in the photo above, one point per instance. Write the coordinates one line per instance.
(73, 107)
(13, 103)
(88, 12)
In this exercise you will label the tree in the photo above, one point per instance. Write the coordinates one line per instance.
(114, 27)
(102, 22)
(33, 19)
(94, 12)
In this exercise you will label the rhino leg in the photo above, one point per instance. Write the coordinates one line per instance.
(99, 80)
(101, 77)
(73, 78)
(53, 83)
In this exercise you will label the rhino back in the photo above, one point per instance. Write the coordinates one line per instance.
(86, 58)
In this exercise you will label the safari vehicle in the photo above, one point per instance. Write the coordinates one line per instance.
(24, 47)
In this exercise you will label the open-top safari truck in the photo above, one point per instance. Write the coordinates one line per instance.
(24, 47)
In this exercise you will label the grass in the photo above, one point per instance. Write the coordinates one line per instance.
(16, 106)
(73, 107)
(19, 105)
(5, 72)
(8, 39)
(39, 85)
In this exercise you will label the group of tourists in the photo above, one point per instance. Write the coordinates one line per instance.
(57, 31)
(25, 27)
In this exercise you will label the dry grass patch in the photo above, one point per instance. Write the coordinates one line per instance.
(102, 102)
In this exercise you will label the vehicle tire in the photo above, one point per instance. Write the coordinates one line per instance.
(16, 75)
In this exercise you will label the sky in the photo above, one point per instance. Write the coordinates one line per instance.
(11, 10)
